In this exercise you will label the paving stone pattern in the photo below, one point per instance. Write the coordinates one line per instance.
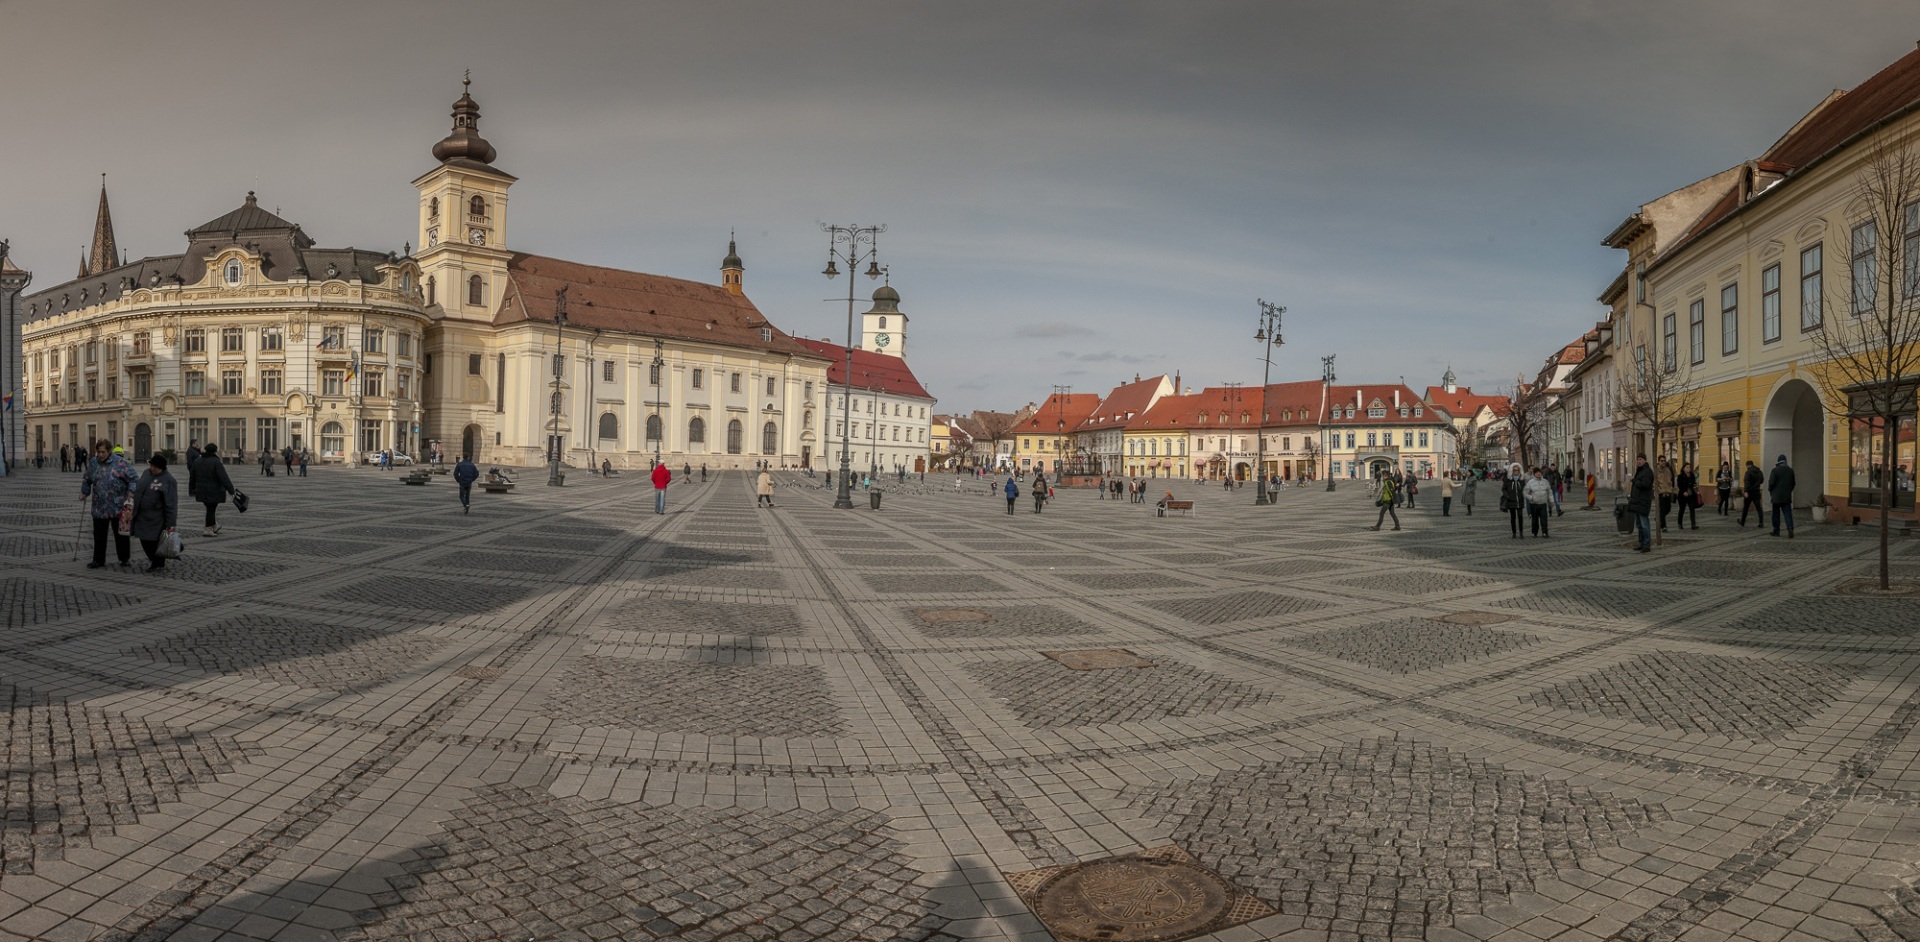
(1742, 697)
(1386, 838)
(1410, 645)
(360, 714)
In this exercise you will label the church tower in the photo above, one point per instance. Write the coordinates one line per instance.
(883, 329)
(106, 253)
(731, 270)
(463, 221)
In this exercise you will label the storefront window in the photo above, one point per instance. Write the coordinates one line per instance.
(1867, 464)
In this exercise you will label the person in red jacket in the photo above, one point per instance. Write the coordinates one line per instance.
(661, 478)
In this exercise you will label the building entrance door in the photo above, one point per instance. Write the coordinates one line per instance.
(142, 442)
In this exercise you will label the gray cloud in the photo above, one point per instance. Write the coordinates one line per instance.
(1419, 182)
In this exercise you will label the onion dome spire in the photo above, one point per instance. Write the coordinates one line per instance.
(465, 140)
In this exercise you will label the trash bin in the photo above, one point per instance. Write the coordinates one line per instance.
(1622, 517)
(873, 499)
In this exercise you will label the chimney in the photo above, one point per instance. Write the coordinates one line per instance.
(1396, 399)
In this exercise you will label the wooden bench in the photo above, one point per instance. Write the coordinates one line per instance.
(497, 487)
(1184, 506)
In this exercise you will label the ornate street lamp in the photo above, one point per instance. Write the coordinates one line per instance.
(1061, 395)
(554, 478)
(1326, 390)
(659, 366)
(844, 244)
(1268, 334)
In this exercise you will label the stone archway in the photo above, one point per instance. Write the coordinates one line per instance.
(1379, 468)
(470, 442)
(1794, 425)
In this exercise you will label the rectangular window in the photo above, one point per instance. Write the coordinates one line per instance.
(233, 435)
(426, 364)
(196, 341)
(1640, 282)
(113, 385)
(699, 378)
(197, 431)
(370, 435)
(196, 383)
(1729, 319)
(606, 371)
(770, 385)
(142, 345)
(405, 381)
(1770, 304)
(404, 343)
(93, 388)
(1407, 440)
(270, 382)
(559, 364)
(473, 364)
(272, 340)
(500, 384)
(266, 435)
(93, 354)
(1810, 287)
(1910, 255)
(735, 379)
(1423, 439)
(1670, 338)
(1697, 332)
(1372, 439)
(1865, 238)
(333, 338)
(233, 340)
(113, 351)
(333, 382)
(374, 383)
(653, 374)
(1349, 439)
(375, 341)
(232, 382)
(143, 385)
(809, 389)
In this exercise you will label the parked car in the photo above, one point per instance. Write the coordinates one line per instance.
(398, 458)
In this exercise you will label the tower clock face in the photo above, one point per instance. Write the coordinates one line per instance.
(881, 340)
(477, 236)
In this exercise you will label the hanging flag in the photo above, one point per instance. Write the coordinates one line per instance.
(7, 404)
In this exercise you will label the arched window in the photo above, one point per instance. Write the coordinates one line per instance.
(697, 431)
(769, 439)
(654, 430)
(734, 436)
(433, 208)
(430, 290)
(609, 426)
(233, 271)
(477, 206)
(333, 439)
(476, 290)
(883, 323)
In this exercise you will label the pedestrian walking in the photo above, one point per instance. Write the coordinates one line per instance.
(1538, 492)
(1013, 494)
(1039, 492)
(1466, 493)
(1664, 486)
(286, 455)
(1640, 504)
(464, 474)
(156, 506)
(1750, 484)
(1513, 499)
(764, 489)
(1687, 487)
(703, 472)
(1557, 485)
(266, 464)
(1780, 491)
(208, 483)
(1723, 484)
(1388, 494)
(661, 478)
(108, 488)
(66, 458)
(1410, 484)
(306, 457)
(1446, 496)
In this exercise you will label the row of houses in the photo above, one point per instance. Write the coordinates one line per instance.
(1158, 428)
(1769, 310)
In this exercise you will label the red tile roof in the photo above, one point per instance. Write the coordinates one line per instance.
(1121, 404)
(871, 370)
(1171, 413)
(1361, 397)
(1892, 89)
(1060, 411)
(634, 302)
(1462, 402)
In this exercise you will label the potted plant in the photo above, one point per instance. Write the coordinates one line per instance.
(1820, 508)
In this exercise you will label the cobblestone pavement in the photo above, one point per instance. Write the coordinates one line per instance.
(360, 715)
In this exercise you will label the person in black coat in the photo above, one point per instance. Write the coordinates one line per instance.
(1640, 504)
(464, 474)
(156, 508)
(207, 482)
(1780, 491)
(1750, 483)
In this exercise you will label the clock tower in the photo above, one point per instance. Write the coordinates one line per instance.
(463, 221)
(883, 329)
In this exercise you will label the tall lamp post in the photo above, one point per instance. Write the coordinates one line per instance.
(659, 366)
(1326, 391)
(843, 244)
(12, 282)
(1269, 336)
(554, 479)
(1060, 396)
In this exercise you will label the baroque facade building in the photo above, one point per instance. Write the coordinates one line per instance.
(255, 338)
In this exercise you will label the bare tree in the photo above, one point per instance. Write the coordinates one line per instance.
(1525, 411)
(1869, 342)
(994, 428)
(1312, 448)
(1657, 392)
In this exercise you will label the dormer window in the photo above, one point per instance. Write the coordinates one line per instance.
(1403, 412)
(1417, 412)
(233, 271)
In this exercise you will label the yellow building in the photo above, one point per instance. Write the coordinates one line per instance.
(1737, 300)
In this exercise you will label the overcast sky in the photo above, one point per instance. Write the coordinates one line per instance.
(1074, 192)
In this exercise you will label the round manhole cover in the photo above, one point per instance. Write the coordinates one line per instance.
(1133, 899)
(940, 616)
